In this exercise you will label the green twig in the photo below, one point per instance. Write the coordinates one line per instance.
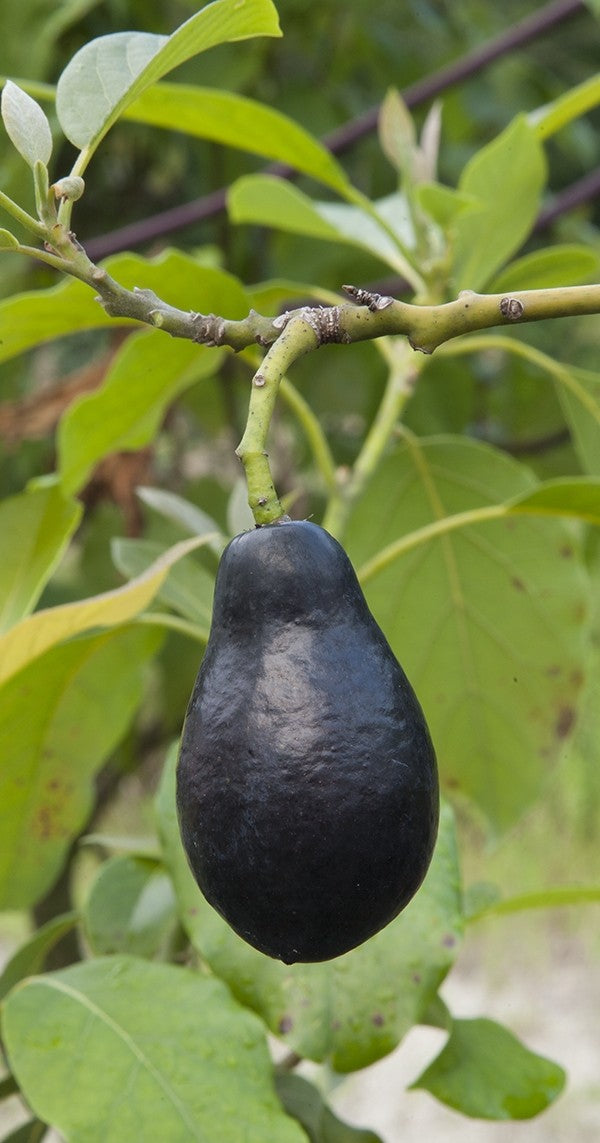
(429, 532)
(46, 256)
(297, 338)
(404, 367)
(543, 899)
(44, 199)
(426, 326)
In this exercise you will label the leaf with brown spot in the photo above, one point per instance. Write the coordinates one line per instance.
(60, 717)
(565, 721)
(481, 605)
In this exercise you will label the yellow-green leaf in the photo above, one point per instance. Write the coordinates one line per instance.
(29, 639)
(8, 240)
(561, 265)
(60, 717)
(236, 121)
(575, 102)
(35, 527)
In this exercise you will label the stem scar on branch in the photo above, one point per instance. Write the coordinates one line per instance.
(512, 309)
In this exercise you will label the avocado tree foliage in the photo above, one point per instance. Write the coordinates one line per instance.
(481, 572)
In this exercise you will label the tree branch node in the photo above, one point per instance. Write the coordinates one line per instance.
(209, 329)
(325, 323)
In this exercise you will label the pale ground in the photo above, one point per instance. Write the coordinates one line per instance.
(553, 1006)
(548, 995)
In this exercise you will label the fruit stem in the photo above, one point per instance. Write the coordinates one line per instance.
(297, 338)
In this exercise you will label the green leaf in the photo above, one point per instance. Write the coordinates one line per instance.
(8, 240)
(578, 497)
(437, 1015)
(364, 230)
(506, 178)
(126, 411)
(30, 638)
(565, 265)
(351, 1010)
(29, 957)
(490, 620)
(578, 389)
(239, 515)
(443, 204)
(145, 847)
(485, 1072)
(35, 317)
(109, 73)
(569, 106)
(397, 134)
(236, 121)
(130, 908)
(269, 201)
(26, 125)
(158, 1052)
(36, 527)
(184, 512)
(579, 394)
(271, 296)
(188, 588)
(303, 1100)
(59, 720)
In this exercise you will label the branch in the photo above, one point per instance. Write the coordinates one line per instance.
(368, 316)
(431, 326)
(577, 194)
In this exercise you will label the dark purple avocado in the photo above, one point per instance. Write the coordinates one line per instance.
(307, 787)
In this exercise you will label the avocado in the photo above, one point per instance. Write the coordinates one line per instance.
(307, 788)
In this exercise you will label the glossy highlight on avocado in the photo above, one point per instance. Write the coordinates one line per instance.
(307, 788)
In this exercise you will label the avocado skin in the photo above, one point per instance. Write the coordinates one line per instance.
(307, 788)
